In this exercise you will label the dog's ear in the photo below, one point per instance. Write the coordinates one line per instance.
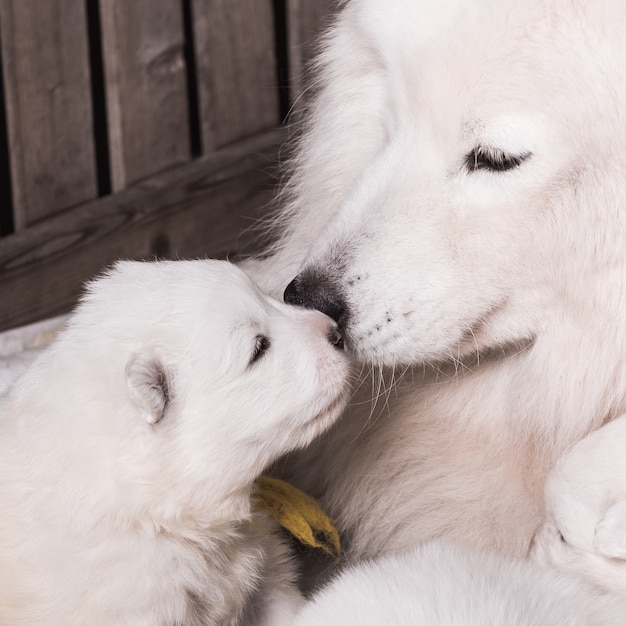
(610, 536)
(149, 384)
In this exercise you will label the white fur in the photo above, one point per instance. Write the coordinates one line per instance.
(504, 292)
(585, 527)
(444, 584)
(129, 449)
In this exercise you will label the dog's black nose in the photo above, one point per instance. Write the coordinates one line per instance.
(313, 292)
(293, 294)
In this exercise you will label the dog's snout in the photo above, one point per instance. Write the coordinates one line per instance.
(313, 292)
(292, 293)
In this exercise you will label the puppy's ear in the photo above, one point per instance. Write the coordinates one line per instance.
(149, 384)
(610, 537)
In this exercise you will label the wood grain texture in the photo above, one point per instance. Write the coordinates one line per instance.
(236, 69)
(146, 87)
(48, 106)
(205, 208)
(306, 19)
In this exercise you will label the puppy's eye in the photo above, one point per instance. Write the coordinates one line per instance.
(493, 159)
(261, 346)
(560, 536)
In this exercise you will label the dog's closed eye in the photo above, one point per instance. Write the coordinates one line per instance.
(493, 159)
(261, 346)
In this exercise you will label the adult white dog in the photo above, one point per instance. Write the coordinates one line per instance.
(129, 449)
(585, 527)
(457, 204)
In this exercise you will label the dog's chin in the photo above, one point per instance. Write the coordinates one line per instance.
(470, 351)
(469, 344)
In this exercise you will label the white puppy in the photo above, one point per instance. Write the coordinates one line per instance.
(129, 449)
(450, 585)
(585, 497)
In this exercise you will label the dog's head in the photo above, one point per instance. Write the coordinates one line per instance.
(209, 380)
(585, 497)
(461, 173)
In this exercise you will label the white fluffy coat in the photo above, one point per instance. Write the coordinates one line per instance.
(129, 449)
(585, 496)
(459, 185)
(449, 585)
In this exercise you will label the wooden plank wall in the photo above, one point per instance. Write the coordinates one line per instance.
(306, 19)
(137, 129)
(47, 100)
(146, 87)
(236, 69)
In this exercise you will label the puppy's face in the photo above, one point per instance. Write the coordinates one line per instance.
(585, 497)
(223, 378)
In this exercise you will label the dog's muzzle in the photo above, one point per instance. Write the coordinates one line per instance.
(313, 291)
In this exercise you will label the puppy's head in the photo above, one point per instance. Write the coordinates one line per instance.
(215, 379)
(585, 497)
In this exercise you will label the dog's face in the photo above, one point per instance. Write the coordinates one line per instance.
(585, 498)
(220, 380)
(448, 164)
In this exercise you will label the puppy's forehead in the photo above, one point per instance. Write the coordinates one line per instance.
(248, 324)
(241, 315)
(205, 293)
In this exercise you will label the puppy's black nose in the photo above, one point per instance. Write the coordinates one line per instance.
(336, 338)
(314, 292)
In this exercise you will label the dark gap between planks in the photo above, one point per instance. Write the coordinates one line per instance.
(282, 57)
(6, 200)
(98, 98)
(193, 102)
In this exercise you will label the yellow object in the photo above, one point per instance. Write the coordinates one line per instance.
(298, 513)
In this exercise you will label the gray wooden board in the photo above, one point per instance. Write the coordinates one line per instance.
(205, 208)
(306, 19)
(146, 87)
(48, 106)
(236, 69)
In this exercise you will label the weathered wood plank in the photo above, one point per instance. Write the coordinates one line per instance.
(236, 69)
(306, 19)
(203, 208)
(48, 106)
(145, 82)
